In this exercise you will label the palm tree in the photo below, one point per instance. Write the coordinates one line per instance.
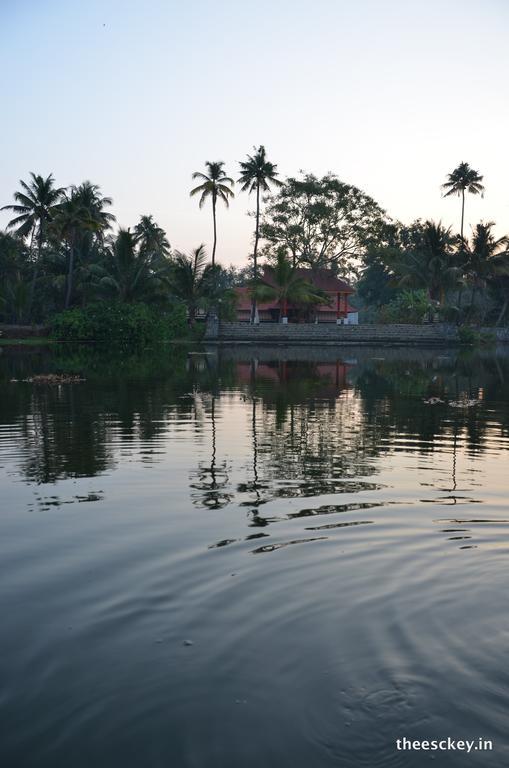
(214, 185)
(151, 237)
(285, 285)
(430, 262)
(191, 279)
(131, 272)
(463, 179)
(487, 258)
(80, 212)
(34, 208)
(256, 175)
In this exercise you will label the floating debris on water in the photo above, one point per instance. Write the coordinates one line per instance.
(52, 378)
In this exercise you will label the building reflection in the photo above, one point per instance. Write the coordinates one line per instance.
(315, 421)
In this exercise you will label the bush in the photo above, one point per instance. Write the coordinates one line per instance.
(134, 325)
(467, 335)
(408, 307)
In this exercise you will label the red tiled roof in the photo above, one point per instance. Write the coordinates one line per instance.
(322, 279)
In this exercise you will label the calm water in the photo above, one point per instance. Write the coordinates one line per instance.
(253, 558)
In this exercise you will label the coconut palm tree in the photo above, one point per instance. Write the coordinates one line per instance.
(429, 262)
(284, 285)
(191, 279)
(463, 179)
(130, 271)
(257, 174)
(151, 237)
(80, 212)
(487, 258)
(215, 185)
(34, 209)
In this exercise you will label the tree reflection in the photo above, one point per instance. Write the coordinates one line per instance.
(317, 420)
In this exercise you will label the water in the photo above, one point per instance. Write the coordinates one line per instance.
(253, 558)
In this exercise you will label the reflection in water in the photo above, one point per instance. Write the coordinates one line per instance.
(141, 627)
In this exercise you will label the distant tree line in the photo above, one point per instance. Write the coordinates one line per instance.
(61, 251)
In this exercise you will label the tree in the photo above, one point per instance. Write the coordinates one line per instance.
(34, 209)
(14, 268)
(286, 285)
(257, 174)
(151, 237)
(215, 185)
(191, 279)
(81, 212)
(425, 259)
(130, 271)
(323, 223)
(486, 258)
(463, 179)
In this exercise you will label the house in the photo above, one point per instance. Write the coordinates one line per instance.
(337, 310)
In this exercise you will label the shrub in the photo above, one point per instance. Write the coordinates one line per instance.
(120, 324)
(408, 307)
(467, 335)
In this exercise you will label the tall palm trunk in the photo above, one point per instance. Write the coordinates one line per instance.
(215, 230)
(70, 274)
(462, 210)
(35, 273)
(255, 251)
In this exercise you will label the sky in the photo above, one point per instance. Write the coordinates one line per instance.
(388, 94)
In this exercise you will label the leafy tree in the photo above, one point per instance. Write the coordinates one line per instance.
(131, 271)
(216, 186)
(286, 285)
(34, 209)
(377, 284)
(463, 179)
(323, 223)
(191, 280)
(257, 174)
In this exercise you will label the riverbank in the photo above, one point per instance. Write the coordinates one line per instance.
(344, 335)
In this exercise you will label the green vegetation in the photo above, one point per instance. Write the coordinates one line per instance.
(119, 324)
(65, 265)
(286, 286)
(409, 306)
(257, 174)
(216, 185)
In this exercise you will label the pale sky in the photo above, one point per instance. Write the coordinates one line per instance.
(135, 96)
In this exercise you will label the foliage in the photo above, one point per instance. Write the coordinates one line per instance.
(119, 324)
(285, 285)
(467, 335)
(426, 259)
(132, 268)
(192, 280)
(463, 179)
(322, 223)
(257, 174)
(216, 185)
(410, 306)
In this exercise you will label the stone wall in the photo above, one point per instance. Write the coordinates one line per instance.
(22, 331)
(324, 334)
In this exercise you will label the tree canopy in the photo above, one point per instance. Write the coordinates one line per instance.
(322, 222)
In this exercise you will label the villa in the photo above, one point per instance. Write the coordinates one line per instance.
(336, 310)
